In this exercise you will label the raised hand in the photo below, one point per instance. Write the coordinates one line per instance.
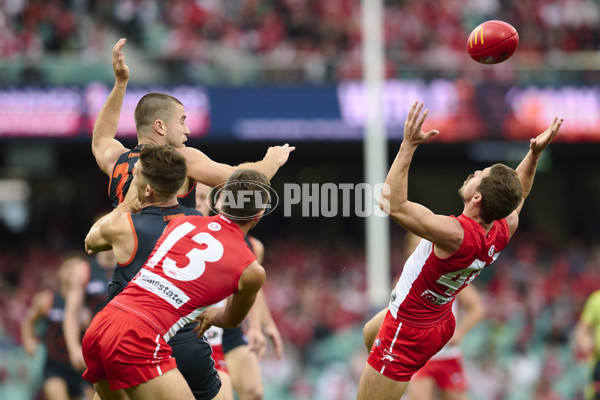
(121, 69)
(539, 143)
(280, 153)
(413, 134)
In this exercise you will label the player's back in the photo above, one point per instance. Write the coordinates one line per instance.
(148, 225)
(196, 263)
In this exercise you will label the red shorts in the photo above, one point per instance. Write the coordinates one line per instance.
(400, 350)
(124, 350)
(448, 373)
(219, 356)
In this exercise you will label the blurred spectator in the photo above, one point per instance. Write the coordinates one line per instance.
(294, 41)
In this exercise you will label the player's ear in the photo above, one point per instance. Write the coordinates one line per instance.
(160, 127)
(476, 198)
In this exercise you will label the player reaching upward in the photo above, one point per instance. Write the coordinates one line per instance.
(197, 262)
(159, 119)
(159, 173)
(445, 369)
(419, 321)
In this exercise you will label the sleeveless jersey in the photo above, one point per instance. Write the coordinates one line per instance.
(54, 337)
(122, 175)
(147, 227)
(196, 263)
(426, 289)
(96, 290)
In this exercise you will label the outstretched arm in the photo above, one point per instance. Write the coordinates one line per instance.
(445, 232)
(105, 147)
(527, 167)
(204, 170)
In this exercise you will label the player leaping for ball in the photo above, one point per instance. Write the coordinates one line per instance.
(160, 119)
(419, 321)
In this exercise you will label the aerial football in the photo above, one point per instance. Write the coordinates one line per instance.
(492, 42)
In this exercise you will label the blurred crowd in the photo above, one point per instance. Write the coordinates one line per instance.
(523, 350)
(291, 41)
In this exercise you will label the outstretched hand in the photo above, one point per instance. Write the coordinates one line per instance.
(413, 133)
(539, 143)
(121, 69)
(280, 153)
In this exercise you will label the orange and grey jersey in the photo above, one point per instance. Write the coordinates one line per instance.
(122, 175)
(96, 290)
(54, 337)
(147, 226)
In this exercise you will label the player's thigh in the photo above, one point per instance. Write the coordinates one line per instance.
(422, 389)
(55, 388)
(373, 385)
(103, 391)
(372, 328)
(244, 370)
(168, 386)
(226, 391)
(452, 394)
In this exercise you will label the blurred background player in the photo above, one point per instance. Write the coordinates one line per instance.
(61, 380)
(132, 237)
(444, 371)
(237, 355)
(159, 119)
(587, 340)
(197, 262)
(87, 294)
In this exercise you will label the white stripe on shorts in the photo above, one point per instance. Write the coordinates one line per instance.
(156, 352)
(392, 345)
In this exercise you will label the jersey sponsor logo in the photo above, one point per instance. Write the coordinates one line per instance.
(377, 342)
(214, 226)
(161, 287)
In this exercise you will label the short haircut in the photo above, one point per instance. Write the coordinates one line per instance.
(501, 193)
(248, 185)
(154, 106)
(163, 167)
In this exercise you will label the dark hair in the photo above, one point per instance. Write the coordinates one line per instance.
(244, 182)
(501, 193)
(164, 167)
(154, 106)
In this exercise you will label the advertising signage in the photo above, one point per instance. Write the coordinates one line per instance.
(460, 109)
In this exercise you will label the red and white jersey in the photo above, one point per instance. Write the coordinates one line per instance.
(449, 350)
(197, 262)
(427, 287)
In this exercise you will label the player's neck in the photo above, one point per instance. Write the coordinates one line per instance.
(160, 203)
(477, 218)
